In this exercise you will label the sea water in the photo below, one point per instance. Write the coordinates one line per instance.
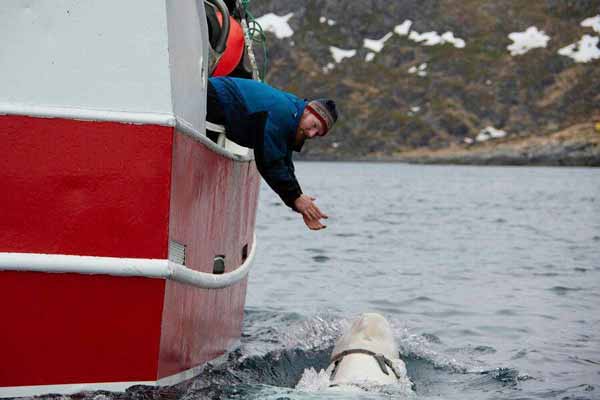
(489, 276)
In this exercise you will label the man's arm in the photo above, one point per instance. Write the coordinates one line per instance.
(281, 178)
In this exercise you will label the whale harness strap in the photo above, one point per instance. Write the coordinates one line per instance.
(382, 360)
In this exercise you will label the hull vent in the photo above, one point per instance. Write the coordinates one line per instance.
(177, 252)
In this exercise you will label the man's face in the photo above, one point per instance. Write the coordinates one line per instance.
(310, 126)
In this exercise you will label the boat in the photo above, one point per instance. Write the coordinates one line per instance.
(126, 234)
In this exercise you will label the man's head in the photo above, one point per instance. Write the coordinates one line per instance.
(317, 119)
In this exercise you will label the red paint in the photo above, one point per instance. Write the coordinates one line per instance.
(112, 189)
(71, 328)
(221, 195)
(85, 188)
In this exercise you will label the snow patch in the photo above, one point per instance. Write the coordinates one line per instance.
(329, 22)
(583, 51)
(403, 28)
(433, 39)
(592, 22)
(421, 70)
(276, 24)
(339, 54)
(524, 41)
(328, 67)
(369, 57)
(489, 133)
(376, 45)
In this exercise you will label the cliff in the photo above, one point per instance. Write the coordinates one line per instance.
(414, 78)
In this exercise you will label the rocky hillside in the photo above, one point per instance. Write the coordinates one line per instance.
(435, 74)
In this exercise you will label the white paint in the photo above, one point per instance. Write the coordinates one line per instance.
(584, 51)
(339, 54)
(403, 28)
(592, 22)
(433, 38)
(139, 267)
(276, 24)
(142, 61)
(524, 41)
(376, 45)
(489, 133)
(101, 55)
(83, 114)
(188, 58)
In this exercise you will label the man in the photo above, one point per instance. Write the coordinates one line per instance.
(273, 123)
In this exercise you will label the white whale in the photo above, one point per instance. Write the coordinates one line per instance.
(366, 354)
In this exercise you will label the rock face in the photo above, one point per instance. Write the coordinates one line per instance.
(415, 96)
(578, 145)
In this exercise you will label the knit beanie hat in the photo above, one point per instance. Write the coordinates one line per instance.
(325, 111)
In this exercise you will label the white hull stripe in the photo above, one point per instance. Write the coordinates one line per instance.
(85, 114)
(22, 391)
(148, 268)
(163, 119)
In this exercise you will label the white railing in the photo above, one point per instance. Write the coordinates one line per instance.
(140, 267)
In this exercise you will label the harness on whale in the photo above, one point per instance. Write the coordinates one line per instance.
(382, 361)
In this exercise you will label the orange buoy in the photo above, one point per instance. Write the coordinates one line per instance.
(234, 50)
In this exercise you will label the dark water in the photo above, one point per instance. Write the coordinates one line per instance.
(490, 277)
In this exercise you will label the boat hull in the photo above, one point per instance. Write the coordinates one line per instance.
(113, 191)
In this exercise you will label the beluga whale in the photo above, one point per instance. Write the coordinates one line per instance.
(366, 355)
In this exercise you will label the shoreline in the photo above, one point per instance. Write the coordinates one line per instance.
(576, 146)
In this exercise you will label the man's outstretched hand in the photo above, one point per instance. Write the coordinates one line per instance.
(310, 212)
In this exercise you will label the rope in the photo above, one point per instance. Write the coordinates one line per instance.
(257, 35)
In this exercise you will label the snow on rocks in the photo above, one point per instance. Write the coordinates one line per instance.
(490, 133)
(403, 28)
(593, 22)
(276, 24)
(330, 66)
(329, 22)
(584, 51)
(529, 39)
(433, 39)
(375, 45)
(339, 54)
(421, 70)
(428, 38)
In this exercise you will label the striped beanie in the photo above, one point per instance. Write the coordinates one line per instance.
(325, 111)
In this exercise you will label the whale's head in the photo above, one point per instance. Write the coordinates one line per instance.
(371, 331)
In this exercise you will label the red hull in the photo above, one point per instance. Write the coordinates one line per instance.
(109, 189)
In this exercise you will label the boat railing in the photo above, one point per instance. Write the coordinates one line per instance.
(138, 267)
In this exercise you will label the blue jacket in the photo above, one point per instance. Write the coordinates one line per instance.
(265, 119)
